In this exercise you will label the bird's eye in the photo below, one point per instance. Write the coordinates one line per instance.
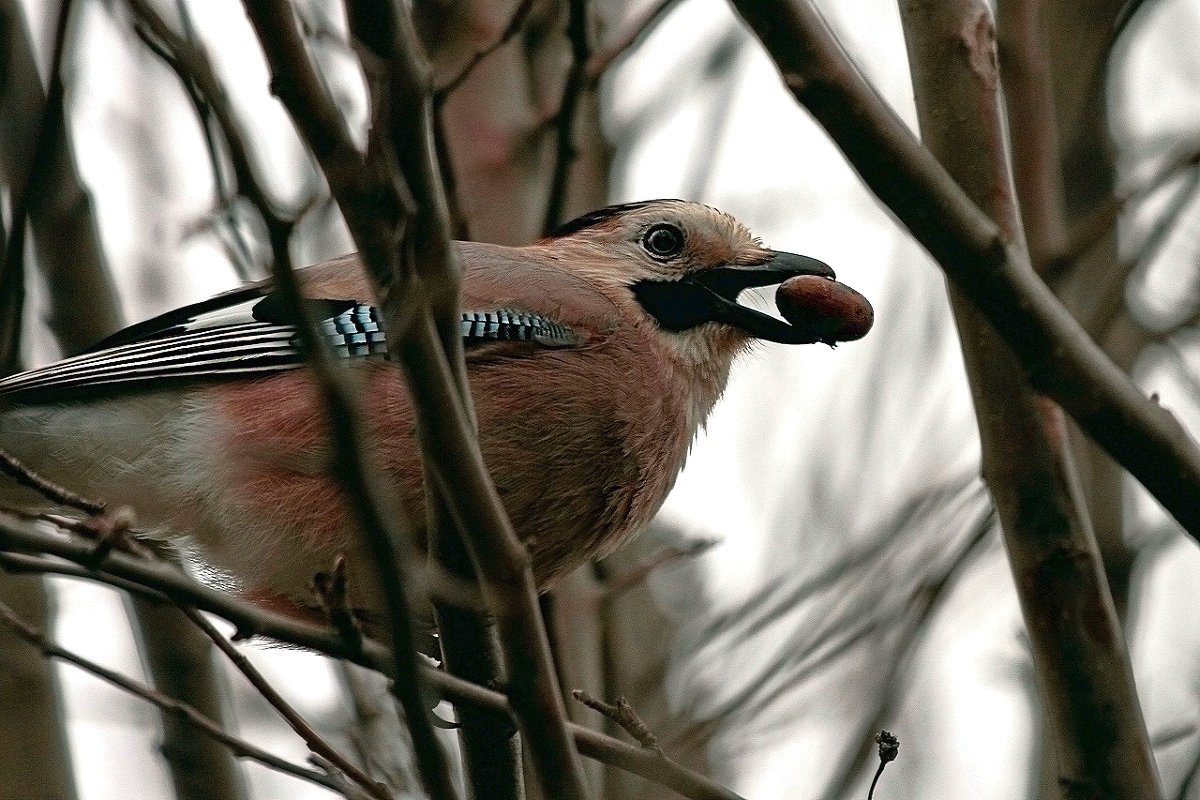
(663, 241)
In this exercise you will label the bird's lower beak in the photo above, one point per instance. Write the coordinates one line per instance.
(724, 284)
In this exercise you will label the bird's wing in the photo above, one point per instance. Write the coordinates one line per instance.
(247, 331)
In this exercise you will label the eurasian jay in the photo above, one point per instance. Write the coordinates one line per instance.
(594, 356)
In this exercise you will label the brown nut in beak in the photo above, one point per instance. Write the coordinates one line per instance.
(830, 311)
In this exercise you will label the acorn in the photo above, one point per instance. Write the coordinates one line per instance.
(831, 311)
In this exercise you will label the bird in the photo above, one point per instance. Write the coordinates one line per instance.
(594, 356)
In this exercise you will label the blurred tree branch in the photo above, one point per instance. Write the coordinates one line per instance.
(576, 84)
(49, 196)
(442, 93)
(34, 751)
(180, 662)
(608, 54)
(240, 747)
(163, 581)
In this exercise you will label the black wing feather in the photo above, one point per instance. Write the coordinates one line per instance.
(244, 332)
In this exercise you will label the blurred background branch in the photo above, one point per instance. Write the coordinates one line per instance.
(851, 544)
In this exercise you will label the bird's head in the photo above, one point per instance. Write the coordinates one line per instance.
(684, 265)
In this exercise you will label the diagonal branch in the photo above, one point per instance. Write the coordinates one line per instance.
(240, 747)
(564, 121)
(163, 581)
(377, 514)
(405, 248)
(1055, 353)
(1077, 646)
(442, 93)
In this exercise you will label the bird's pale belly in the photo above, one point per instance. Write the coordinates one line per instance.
(566, 474)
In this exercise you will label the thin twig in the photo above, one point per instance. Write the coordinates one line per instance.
(21, 563)
(623, 715)
(442, 93)
(47, 488)
(12, 270)
(635, 32)
(564, 122)
(889, 748)
(150, 27)
(315, 742)
(239, 747)
(1056, 353)
(188, 58)
(251, 621)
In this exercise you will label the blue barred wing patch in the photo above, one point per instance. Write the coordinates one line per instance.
(505, 325)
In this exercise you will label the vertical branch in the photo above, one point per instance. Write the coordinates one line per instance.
(1079, 38)
(1091, 282)
(564, 122)
(1037, 166)
(1083, 667)
(35, 759)
(377, 515)
(181, 663)
(52, 199)
(400, 88)
(379, 519)
(418, 287)
(415, 281)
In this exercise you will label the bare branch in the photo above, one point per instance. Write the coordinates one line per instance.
(418, 284)
(1078, 648)
(639, 29)
(564, 122)
(442, 93)
(366, 499)
(623, 715)
(316, 743)
(1053, 350)
(1037, 165)
(239, 747)
(47, 488)
(165, 581)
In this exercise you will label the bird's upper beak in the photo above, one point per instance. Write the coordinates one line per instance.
(711, 296)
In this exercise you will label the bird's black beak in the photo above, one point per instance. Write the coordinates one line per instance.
(711, 296)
